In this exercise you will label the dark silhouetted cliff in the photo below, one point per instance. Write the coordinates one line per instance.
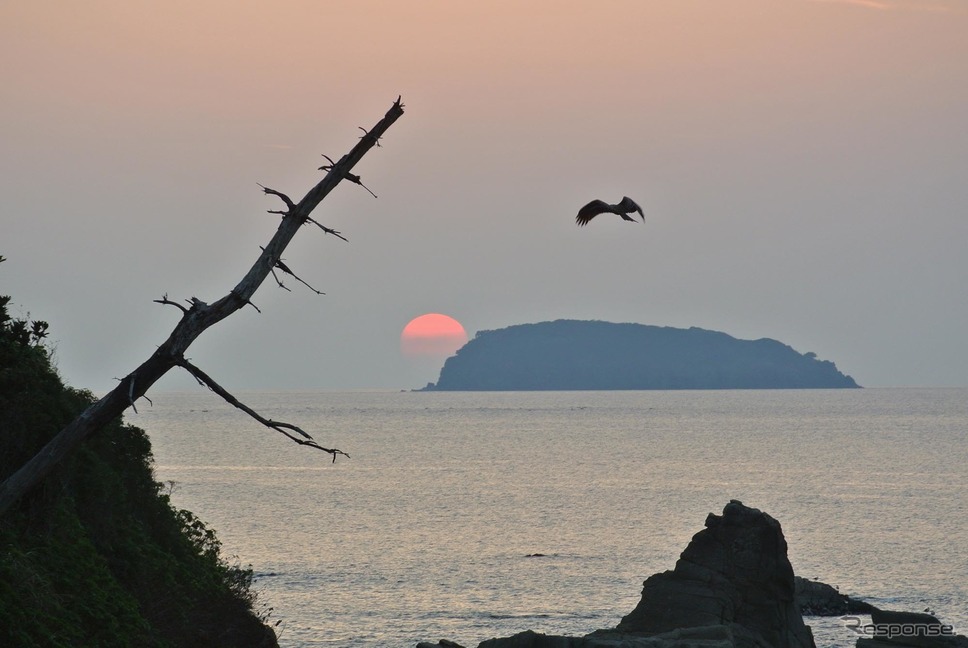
(570, 354)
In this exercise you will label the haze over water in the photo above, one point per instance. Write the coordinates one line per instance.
(424, 533)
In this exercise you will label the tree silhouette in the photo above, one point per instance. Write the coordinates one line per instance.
(196, 318)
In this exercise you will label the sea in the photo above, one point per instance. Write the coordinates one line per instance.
(472, 515)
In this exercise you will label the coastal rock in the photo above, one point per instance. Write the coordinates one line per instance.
(711, 637)
(732, 587)
(736, 573)
(819, 599)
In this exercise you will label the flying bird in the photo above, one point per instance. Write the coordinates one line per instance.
(596, 207)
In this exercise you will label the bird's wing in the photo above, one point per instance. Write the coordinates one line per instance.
(628, 206)
(590, 211)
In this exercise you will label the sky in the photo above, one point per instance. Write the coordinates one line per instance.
(802, 167)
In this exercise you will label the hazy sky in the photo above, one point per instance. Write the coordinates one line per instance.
(803, 167)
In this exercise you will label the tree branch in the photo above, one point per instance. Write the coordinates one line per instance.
(327, 230)
(278, 426)
(279, 281)
(352, 177)
(164, 300)
(289, 203)
(194, 321)
(282, 266)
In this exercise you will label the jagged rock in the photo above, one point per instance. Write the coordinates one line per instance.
(736, 573)
(819, 599)
(709, 637)
(731, 588)
(909, 630)
(530, 639)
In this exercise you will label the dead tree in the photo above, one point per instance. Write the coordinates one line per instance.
(195, 319)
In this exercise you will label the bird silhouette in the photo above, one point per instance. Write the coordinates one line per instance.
(596, 207)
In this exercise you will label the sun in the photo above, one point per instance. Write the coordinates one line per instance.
(432, 334)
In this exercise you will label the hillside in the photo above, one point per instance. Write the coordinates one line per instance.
(97, 555)
(594, 355)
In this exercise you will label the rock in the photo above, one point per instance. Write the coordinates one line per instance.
(735, 573)
(709, 637)
(530, 639)
(909, 630)
(732, 587)
(819, 599)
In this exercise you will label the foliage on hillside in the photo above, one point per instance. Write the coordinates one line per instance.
(97, 555)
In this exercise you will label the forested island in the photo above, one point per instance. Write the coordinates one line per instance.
(596, 355)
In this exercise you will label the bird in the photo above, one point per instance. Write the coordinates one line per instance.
(596, 207)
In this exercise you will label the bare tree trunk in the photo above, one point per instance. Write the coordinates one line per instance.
(194, 321)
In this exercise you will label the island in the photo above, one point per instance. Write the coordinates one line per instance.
(595, 355)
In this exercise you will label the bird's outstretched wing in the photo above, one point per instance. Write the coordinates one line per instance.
(628, 206)
(596, 207)
(590, 211)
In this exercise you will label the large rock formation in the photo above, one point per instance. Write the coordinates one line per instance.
(569, 354)
(735, 573)
(731, 588)
(819, 599)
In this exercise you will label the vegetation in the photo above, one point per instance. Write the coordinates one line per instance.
(96, 555)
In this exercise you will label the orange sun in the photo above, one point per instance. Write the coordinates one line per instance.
(432, 334)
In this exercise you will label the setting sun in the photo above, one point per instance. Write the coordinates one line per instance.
(432, 334)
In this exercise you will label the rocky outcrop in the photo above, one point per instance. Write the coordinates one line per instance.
(708, 637)
(819, 599)
(731, 588)
(734, 573)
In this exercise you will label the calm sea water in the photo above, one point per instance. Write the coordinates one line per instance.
(425, 532)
